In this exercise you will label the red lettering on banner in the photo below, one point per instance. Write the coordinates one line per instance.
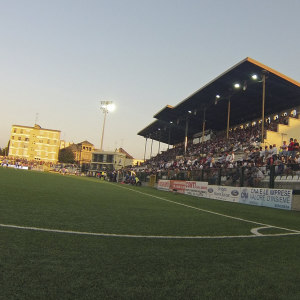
(177, 185)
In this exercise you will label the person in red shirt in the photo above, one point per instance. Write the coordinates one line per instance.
(291, 148)
(296, 147)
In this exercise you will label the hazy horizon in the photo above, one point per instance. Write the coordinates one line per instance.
(61, 58)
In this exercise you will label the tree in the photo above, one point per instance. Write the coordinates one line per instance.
(4, 151)
(66, 156)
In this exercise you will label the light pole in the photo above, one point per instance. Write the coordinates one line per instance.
(264, 76)
(106, 106)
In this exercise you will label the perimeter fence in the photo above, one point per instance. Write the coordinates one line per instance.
(285, 176)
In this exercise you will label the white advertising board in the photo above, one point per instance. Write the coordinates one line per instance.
(196, 188)
(224, 193)
(275, 198)
(17, 167)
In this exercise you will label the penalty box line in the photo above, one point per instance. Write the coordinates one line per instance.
(203, 237)
(207, 211)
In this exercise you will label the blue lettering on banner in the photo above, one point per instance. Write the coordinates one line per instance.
(234, 193)
(244, 194)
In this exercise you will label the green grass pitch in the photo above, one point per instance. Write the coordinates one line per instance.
(133, 253)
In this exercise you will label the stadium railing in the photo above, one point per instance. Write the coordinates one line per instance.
(286, 176)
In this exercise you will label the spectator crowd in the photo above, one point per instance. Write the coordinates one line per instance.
(242, 148)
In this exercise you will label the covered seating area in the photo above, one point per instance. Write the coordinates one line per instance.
(246, 92)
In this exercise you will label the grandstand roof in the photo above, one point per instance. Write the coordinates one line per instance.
(282, 93)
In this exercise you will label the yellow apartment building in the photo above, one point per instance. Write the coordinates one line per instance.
(34, 143)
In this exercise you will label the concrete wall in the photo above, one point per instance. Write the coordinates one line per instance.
(285, 132)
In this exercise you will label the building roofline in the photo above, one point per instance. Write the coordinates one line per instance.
(32, 127)
(272, 71)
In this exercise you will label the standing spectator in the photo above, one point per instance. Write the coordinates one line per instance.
(284, 149)
(296, 147)
(275, 152)
(291, 148)
(266, 154)
(261, 153)
(269, 157)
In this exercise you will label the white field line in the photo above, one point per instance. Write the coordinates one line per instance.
(208, 211)
(255, 230)
(144, 236)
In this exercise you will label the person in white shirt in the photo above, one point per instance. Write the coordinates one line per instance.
(275, 151)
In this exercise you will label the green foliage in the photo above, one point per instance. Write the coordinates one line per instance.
(40, 265)
(66, 156)
(4, 151)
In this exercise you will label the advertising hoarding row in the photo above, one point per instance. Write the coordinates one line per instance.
(274, 198)
(193, 188)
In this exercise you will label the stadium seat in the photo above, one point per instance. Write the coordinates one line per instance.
(277, 178)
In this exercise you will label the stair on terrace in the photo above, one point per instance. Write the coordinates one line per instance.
(284, 132)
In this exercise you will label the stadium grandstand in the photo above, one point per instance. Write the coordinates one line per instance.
(246, 117)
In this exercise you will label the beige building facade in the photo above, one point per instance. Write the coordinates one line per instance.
(110, 160)
(83, 152)
(34, 143)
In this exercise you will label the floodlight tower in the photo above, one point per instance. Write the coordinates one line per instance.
(106, 107)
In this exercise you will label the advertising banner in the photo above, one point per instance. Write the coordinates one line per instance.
(16, 167)
(196, 188)
(224, 193)
(275, 198)
(163, 185)
(178, 186)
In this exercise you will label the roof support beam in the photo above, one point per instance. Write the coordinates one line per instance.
(186, 134)
(228, 118)
(145, 149)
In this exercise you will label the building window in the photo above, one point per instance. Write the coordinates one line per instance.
(26, 139)
(48, 141)
(110, 158)
(19, 138)
(15, 130)
(21, 131)
(12, 137)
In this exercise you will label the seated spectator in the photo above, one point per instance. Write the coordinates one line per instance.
(284, 149)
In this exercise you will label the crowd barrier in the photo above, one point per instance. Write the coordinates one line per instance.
(15, 166)
(274, 198)
(283, 177)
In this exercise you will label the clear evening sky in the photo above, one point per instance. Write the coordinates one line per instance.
(60, 58)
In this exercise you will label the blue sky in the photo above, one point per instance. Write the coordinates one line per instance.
(61, 58)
